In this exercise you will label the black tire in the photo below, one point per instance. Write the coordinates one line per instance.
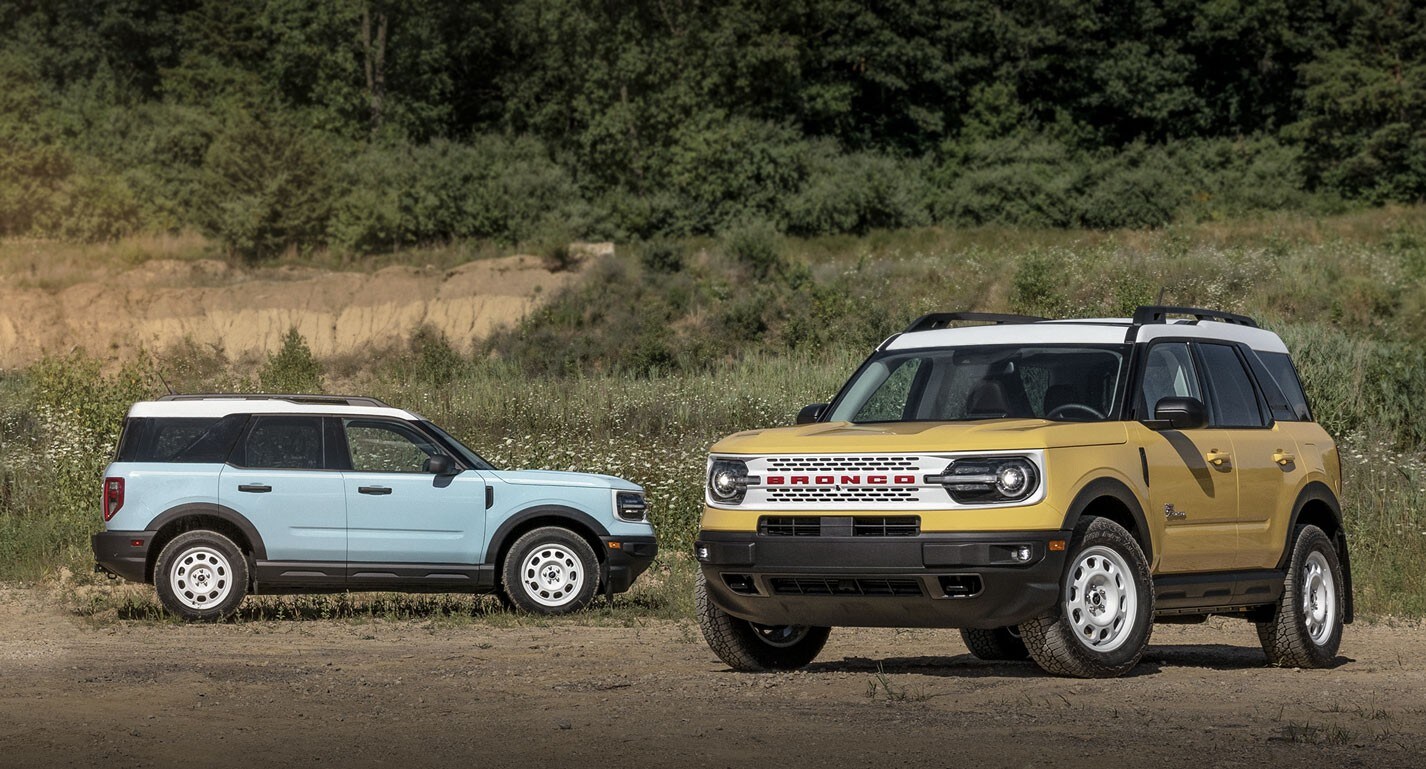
(995, 645)
(1068, 641)
(1296, 637)
(201, 576)
(751, 648)
(550, 570)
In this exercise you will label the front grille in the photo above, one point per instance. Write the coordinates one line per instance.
(847, 494)
(865, 586)
(790, 526)
(861, 526)
(864, 464)
(886, 526)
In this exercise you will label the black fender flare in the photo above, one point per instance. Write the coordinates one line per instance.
(214, 510)
(496, 544)
(1316, 491)
(1117, 490)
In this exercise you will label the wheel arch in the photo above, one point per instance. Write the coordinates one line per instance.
(1316, 505)
(581, 523)
(202, 515)
(1113, 499)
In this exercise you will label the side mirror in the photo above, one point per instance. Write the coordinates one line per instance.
(810, 413)
(1178, 414)
(439, 465)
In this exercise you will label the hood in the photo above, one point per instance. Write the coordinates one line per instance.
(987, 435)
(559, 478)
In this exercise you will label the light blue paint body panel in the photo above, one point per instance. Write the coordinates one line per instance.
(425, 519)
(303, 518)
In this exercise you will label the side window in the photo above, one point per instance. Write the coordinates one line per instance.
(888, 403)
(283, 442)
(184, 439)
(379, 446)
(1168, 373)
(1235, 403)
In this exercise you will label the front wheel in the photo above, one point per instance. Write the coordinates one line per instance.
(201, 576)
(1307, 628)
(752, 648)
(1106, 611)
(996, 644)
(550, 570)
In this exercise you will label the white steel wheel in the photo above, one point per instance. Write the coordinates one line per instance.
(201, 577)
(552, 575)
(1100, 600)
(1319, 598)
(550, 570)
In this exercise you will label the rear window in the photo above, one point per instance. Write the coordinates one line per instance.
(165, 439)
(1280, 366)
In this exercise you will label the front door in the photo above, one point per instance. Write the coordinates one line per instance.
(400, 513)
(1192, 474)
(276, 479)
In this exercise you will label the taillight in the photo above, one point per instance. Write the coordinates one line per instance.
(113, 496)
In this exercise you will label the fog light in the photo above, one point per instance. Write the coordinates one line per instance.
(1022, 553)
(701, 552)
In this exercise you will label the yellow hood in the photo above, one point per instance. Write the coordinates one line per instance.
(987, 435)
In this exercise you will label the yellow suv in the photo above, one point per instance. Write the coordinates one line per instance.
(1051, 488)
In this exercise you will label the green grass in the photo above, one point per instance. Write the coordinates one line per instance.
(1346, 294)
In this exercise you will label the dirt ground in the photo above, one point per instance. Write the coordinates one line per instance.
(649, 693)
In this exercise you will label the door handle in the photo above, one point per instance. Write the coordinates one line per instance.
(1217, 458)
(377, 490)
(254, 488)
(1283, 458)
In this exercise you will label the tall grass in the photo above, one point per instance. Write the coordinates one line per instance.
(1342, 293)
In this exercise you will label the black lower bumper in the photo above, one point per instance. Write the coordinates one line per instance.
(628, 560)
(123, 553)
(981, 580)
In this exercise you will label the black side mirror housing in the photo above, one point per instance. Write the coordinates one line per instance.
(1178, 414)
(810, 413)
(439, 465)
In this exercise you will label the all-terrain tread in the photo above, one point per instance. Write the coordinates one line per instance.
(1051, 641)
(1284, 638)
(995, 644)
(737, 645)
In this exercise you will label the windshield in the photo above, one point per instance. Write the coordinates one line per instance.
(471, 458)
(1063, 383)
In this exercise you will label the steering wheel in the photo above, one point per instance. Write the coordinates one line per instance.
(1059, 411)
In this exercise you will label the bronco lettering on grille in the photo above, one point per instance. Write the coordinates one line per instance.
(841, 480)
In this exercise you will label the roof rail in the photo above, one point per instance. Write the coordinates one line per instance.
(1159, 314)
(331, 400)
(937, 320)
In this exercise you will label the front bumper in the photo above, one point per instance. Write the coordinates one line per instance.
(931, 580)
(123, 553)
(627, 561)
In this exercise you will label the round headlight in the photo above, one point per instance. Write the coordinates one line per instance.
(728, 480)
(1010, 481)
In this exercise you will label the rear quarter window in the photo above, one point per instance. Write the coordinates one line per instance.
(179, 439)
(1279, 364)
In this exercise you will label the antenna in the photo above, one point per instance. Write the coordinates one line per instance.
(1160, 300)
(164, 381)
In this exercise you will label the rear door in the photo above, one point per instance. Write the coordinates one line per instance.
(1192, 475)
(400, 513)
(276, 477)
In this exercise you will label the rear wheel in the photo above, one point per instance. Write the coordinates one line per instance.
(1306, 631)
(1102, 624)
(996, 644)
(201, 576)
(752, 648)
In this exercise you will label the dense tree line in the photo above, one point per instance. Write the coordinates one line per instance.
(371, 124)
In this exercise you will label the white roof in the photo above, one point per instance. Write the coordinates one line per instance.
(221, 407)
(1091, 331)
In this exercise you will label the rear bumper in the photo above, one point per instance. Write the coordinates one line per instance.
(931, 580)
(116, 552)
(627, 561)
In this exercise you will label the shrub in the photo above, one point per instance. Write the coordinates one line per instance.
(756, 246)
(857, 192)
(292, 369)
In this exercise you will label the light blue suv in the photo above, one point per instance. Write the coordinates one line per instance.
(212, 497)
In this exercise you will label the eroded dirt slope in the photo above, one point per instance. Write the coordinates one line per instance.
(416, 694)
(165, 301)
